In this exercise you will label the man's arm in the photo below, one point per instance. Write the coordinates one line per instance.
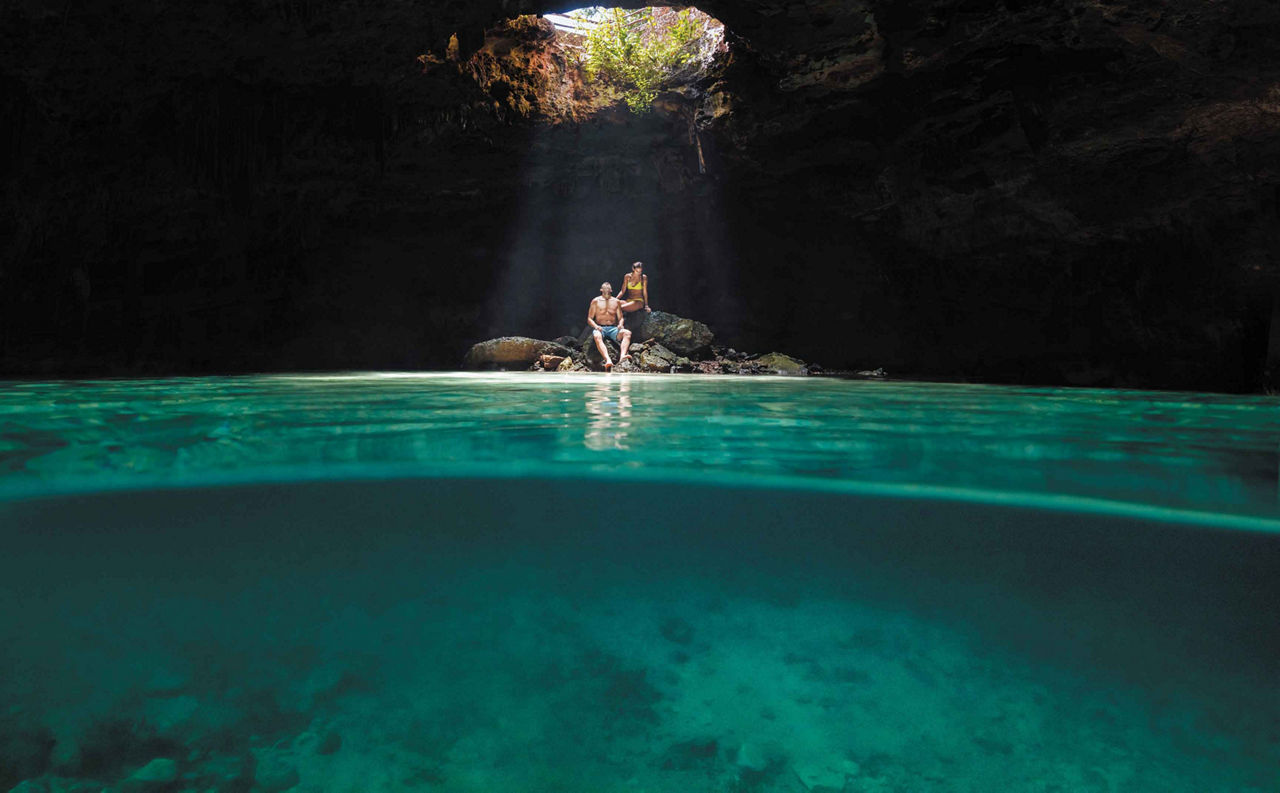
(591, 315)
(620, 314)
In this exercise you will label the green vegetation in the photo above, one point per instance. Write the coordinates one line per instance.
(640, 52)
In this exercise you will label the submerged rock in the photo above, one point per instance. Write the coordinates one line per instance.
(274, 771)
(24, 751)
(683, 336)
(510, 352)
(58, 784)
(154, 775)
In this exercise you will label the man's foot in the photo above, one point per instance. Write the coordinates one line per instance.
(608, 367)
(626, 357)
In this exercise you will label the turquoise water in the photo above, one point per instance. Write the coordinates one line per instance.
(457, 582)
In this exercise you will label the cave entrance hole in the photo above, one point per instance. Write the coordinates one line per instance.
(614, 170)
(633, 54)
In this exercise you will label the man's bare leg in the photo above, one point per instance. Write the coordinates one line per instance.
(626, 342)
(604, 351)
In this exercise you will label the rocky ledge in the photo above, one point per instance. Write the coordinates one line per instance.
(661, 343)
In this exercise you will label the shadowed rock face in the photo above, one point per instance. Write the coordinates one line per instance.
(681, 335)
(1060, 191)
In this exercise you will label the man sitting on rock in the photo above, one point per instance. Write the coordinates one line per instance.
(606, 319)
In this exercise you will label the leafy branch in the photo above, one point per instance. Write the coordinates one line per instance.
(641, 52)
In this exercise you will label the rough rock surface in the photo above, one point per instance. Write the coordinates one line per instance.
(592, 355)
(777, 363)
(653, 357)
(683, 336)
(1069, 191)
(510, 352)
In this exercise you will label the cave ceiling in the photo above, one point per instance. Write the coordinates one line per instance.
(1043, 163)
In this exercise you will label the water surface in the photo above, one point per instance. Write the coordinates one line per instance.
(543, 583)
(1199, 452)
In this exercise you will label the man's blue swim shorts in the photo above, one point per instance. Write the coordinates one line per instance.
(610, 332)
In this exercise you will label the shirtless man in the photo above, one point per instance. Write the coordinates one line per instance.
(606, 319)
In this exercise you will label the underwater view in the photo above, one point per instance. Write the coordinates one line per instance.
(523, 582)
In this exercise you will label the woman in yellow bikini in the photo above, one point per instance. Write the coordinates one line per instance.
(635, 289)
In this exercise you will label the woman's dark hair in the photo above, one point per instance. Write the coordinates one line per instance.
(634, 265)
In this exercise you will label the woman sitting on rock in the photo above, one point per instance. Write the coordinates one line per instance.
(635, 289)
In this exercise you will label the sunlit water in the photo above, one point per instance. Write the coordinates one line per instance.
(551, 583)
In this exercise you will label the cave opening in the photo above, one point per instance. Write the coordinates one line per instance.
(986, 193)
(635, 54)
(612, 165)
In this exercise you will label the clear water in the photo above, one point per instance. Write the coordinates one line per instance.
(548, 583)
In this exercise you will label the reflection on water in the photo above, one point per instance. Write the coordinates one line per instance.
(1212, 453)
(609, 408)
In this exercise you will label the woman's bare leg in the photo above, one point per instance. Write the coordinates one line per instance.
(632, 305)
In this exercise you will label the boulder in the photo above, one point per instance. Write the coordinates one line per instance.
(653, 357)
(510, 352)
(777, 363)
(593, 358)
(683, 336)
(550, 362)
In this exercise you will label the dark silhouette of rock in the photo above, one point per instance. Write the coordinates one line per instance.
(25, 750)
(511, 352)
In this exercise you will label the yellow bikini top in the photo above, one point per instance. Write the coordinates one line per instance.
(636, 287)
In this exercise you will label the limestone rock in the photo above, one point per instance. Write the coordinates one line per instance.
(777, 363)
(550, 362)
(227, 771)
(154, 775)
(593, 358)
(510, 352)
(825, 775)
(654, 357)
(274, 771)
(683, 336)
(751, 757)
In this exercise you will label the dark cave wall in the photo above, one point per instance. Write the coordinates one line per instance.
(1030, 191)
